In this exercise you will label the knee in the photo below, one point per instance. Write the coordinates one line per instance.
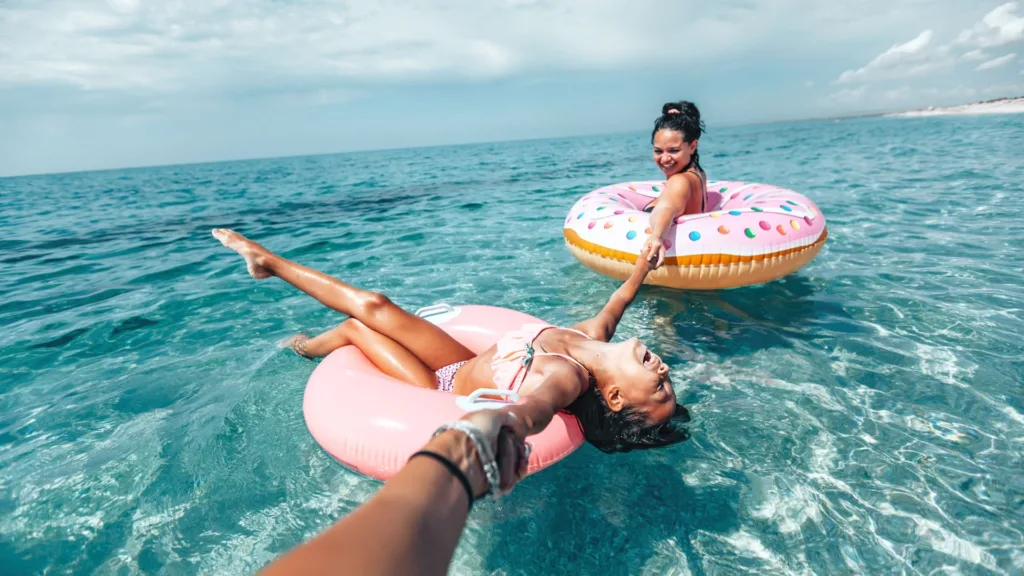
(374, 304)
(350, 327)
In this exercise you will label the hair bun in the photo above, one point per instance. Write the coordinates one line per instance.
(672, 108)
(684, 107)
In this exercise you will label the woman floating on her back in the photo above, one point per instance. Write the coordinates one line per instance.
(621, 393)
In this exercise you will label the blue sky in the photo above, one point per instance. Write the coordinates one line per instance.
(91, 84)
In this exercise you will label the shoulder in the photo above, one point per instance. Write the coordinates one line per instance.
(691, 180)
(694, 177)
(679, 183)
(558, 380)
(560, 367)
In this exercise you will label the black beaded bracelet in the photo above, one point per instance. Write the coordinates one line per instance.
(451, 468)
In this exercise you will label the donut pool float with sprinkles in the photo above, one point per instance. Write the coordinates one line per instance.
(751, 234)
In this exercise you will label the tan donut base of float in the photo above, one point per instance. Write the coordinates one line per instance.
(697, 272)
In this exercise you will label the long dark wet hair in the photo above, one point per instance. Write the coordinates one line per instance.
(682, 117)
(625, 430)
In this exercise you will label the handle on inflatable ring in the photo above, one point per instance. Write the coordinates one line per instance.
(473, 402)
(438, 314)
(435, 309)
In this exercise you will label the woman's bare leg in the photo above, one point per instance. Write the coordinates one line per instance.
(432, 346)
(389, 356)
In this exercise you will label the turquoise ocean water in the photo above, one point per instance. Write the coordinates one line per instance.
(862, 416)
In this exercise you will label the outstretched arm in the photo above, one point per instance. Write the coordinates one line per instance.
(561, 386)
(412, 525)
(602, 326)
(671, 204)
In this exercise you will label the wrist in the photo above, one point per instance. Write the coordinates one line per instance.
(461, 451)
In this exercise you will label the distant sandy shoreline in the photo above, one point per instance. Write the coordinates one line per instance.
(1000, 106)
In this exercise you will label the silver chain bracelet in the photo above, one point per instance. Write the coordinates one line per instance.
(483, 449)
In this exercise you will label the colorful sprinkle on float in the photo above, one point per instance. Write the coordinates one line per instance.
(754, 233)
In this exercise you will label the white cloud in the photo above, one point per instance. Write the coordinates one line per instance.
(849, 96)
(975, 55)
(128, 44)
(996, 62)
(124, 6)
(196, 44)
(920, 55)
(898, 94)
(999, 27)
(908, 59)
(960, 92)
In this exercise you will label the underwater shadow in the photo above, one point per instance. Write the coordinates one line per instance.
(744, 320)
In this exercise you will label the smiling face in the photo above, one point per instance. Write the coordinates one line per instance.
(671, 151)
(639, 379)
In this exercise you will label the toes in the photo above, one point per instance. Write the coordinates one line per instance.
(222, 234)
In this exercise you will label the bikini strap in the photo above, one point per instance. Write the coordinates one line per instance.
(704, 196)
(576, 331)
(563, 356)
(699, 173)
(546, 328)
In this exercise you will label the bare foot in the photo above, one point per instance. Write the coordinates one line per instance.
(251, 251)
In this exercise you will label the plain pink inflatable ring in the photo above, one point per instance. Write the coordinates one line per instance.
(372, 423)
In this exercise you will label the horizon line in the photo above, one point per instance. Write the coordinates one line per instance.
(851, 116)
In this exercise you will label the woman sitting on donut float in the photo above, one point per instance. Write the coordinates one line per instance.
(704, 235)
(620, 393)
